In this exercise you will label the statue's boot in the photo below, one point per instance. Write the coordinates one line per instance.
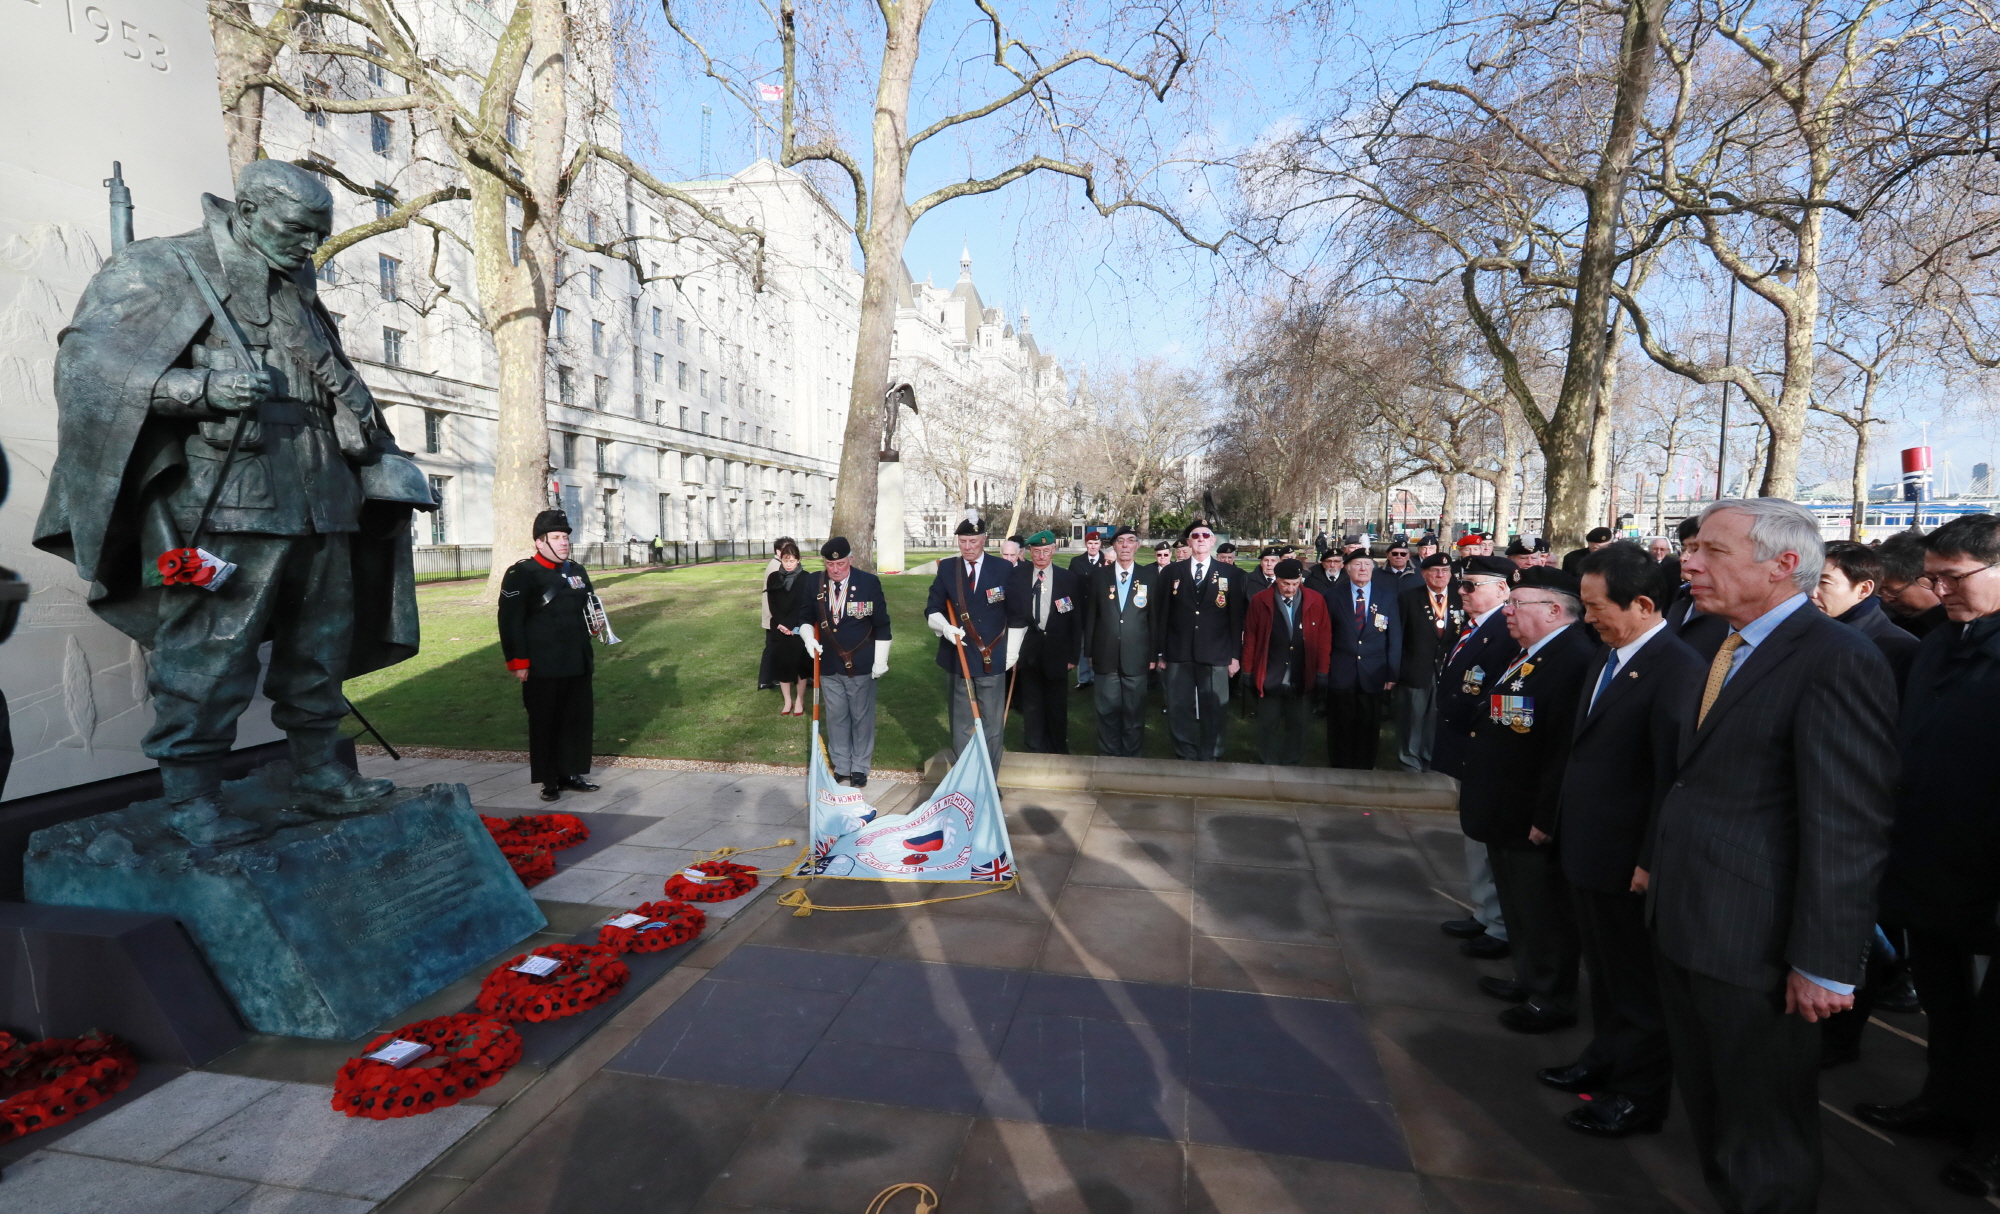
(195, 791)
(317, 773)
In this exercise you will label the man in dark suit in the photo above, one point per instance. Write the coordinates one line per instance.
(1043, 617)
(843, 609)
(1768, 850)
(1430, 615)
(1258, 579)
(1321, 577)
(1636, 694)
(1905, 595)
(1089, 561)
(1482, 651)
(1200, 619)
(1943, 882)
(1846, 591)
(968, 605)
(1661, 549)
(1397, 572)
(1124, 646)
(1515, 752)
(1367, 656)
(1287, 647)
(1595, 538)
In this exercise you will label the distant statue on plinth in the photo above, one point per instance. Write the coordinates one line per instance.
(223, 478)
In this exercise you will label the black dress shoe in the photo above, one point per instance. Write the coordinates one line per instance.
(1918, 1118)
(857, 781)
(841, 777)
(1613, 1116)
(1528, 1018)
(1576, 1077)
(1486, 948)
(578, 784)
(1900, 998)
(1975, 1172)
(551, 791)
(1504, 988)
(1464, 929)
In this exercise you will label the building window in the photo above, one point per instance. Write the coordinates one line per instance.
(337, 318)
(759, 432)
(376, 76)
(433, 432)
(684, 409)
(680, 331)
(440, 527)
(380, 140)
(659, 412)
(604, 455)
(562, 323)
(391, 272)
(638, 406)
(656, 322)
(514, 244)
(385, 200)
(597, 337)
(596, 275)
(704, 385)
(724, 432)
(722, 389)
(600, 392)
(566, 389)
(681, 376)
(513, 127)
(392, 346)
(327, 273)
(569, 450)
(704, 423)
(701, 341)
(659, 367)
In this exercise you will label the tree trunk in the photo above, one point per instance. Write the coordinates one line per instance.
(1600, 455)
(239, 56)
(1448, 511)
(882, 259)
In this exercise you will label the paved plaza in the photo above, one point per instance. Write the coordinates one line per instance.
(1190, 1004)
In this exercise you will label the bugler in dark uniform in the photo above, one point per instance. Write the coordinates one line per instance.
(545, 637)
(845, 611)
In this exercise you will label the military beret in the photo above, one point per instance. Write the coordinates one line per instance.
(1225, 546)
(1123, 530)
(1163, 546)
(1550, 577)
(1541, 543)
(1400, 546)
(1597, 535)
(835, 549)
(551, 520)
(1015, 539)
(1468, 541)
(1271, 550)
(1488, 566)
(970, 527)
(1517, 548)
(1044, 536)
(1289, 569)
(1434, 560)
(1332, 554)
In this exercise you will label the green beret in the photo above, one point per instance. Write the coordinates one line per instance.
(1041, 537)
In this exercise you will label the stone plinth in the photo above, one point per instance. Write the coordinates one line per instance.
(320, 927)
(889, 517)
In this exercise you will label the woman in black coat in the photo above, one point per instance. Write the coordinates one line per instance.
(784, 650)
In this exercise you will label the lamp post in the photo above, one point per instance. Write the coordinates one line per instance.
(1782, 270)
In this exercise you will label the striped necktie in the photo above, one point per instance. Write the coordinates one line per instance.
(1718, 674)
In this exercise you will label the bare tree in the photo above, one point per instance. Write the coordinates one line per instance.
(1065, 109)
(1148, 421)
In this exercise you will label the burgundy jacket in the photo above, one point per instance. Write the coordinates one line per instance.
(1314, 622)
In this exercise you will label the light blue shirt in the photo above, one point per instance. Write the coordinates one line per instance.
(1125, 577)
(1755, 633)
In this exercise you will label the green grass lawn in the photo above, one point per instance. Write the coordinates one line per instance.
(684, 682)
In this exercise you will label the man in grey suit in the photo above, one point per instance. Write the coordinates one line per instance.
(1767, 851)
(1118, 635)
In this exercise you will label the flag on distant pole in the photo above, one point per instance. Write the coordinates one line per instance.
(771, 92)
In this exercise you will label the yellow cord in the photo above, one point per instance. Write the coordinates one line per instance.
(723, 853)
(805, 906)
(927, 1198)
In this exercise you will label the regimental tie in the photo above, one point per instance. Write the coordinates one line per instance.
(1718, 674)
(1041, 604)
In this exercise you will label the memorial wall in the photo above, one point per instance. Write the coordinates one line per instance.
(85, 85)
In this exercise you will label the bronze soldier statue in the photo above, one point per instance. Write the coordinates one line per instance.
(206, 404)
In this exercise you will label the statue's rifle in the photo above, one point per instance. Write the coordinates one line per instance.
(234, 333)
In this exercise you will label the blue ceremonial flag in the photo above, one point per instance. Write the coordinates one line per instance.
(958, 835)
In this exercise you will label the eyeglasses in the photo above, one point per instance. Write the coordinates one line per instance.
(1468, 585)
(1518, 601)
(1937, 582)
(1202, 535)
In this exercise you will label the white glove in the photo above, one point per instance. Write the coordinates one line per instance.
(1014, 636)
(945, 628)
(881, 660)
(811, 638)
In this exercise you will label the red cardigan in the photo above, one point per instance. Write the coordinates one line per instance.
(1315, 623)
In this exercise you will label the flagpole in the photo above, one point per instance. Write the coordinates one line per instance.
(967, 668)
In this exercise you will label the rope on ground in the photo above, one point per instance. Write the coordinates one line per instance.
(723, 853)
(803, 905)
(927, 1198)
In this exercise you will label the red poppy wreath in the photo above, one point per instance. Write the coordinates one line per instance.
(553, 831)
(468, 1052)
(48, 1082)
(587, 976)
(665, 924)
(533, 865)
(712, 881)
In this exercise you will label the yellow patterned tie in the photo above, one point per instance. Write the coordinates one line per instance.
(1718, 673)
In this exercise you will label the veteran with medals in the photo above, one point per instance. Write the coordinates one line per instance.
(844, 622)
(1045, 613)
(1515, 755)
(1201, 620)
(968, 605)
(1482, 650)
(1123, 644)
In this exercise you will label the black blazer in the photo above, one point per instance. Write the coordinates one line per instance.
(1622, 761)
(1897, 646)
(1424, 644)
(985, 600)
(1944, 849)
(1461, 693)
(1771, 841)
(1369, 652)
(1200, 623)
(864, 619)
(1055, 651)
(542, 619)
(1517, 770)
(1121, 641)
